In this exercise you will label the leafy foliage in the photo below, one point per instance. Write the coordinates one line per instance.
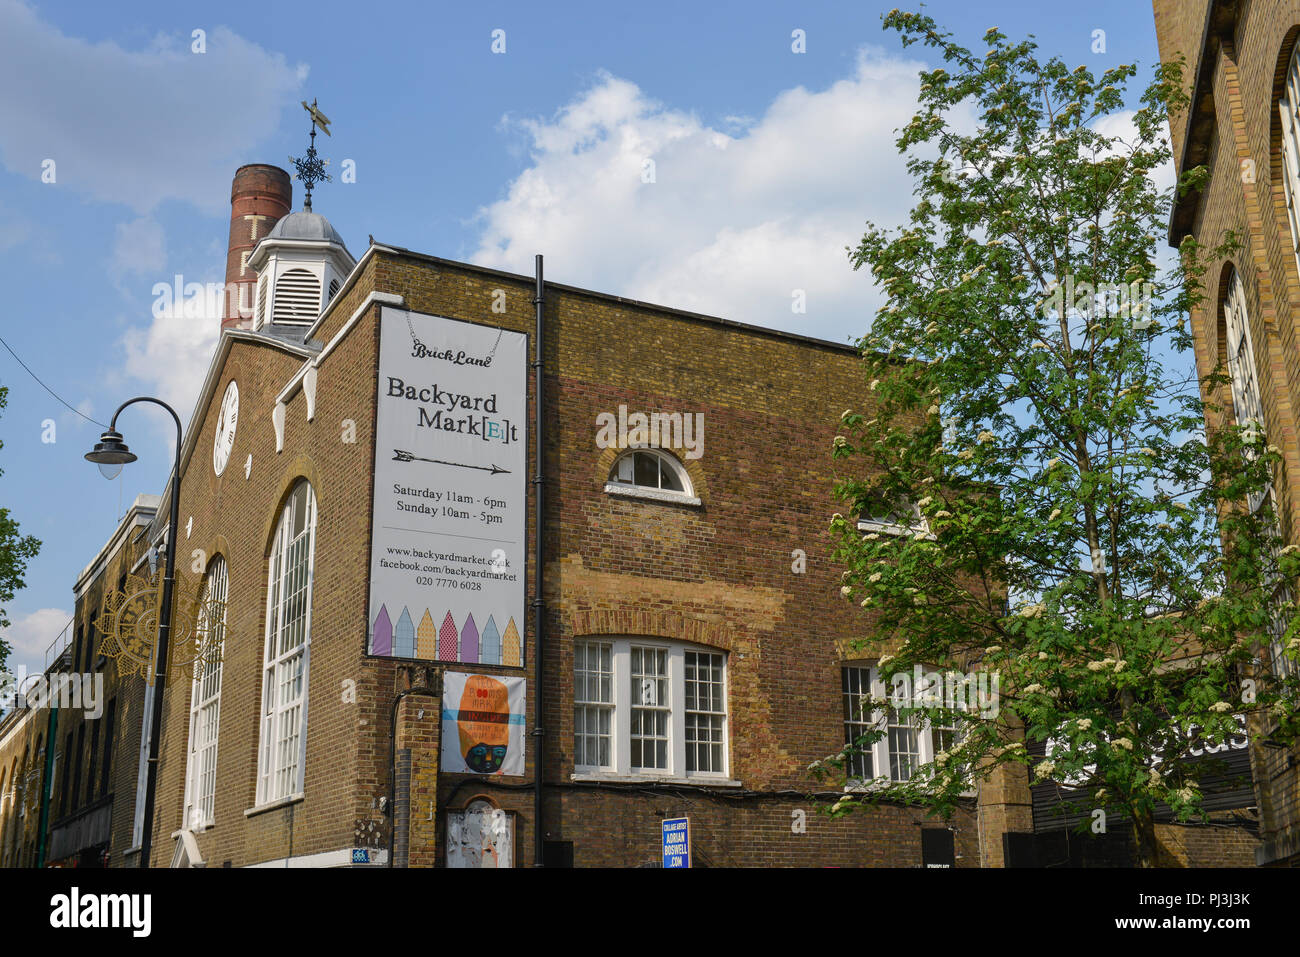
(15, 551)
(1034, 394)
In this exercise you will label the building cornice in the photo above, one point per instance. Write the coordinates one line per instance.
(1220, 24)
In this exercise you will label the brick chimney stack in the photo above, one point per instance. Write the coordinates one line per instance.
(259, 196)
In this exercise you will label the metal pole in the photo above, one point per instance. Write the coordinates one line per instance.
(158, 678)
(539, 607)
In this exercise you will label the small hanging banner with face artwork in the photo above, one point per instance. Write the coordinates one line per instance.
(483, 724)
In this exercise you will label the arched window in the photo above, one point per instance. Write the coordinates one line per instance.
(286, 658)
(1249, 412)
(205, 700)
(650, 473)
(1289, 106)
(1241, 358)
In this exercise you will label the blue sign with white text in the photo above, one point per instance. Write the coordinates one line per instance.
(677, 842)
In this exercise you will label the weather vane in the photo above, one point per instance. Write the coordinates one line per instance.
(311, 168)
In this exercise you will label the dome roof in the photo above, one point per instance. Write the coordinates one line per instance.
(309, 226)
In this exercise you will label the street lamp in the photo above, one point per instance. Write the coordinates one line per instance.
(110, 454)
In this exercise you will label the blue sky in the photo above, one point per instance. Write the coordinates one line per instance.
(767, 164)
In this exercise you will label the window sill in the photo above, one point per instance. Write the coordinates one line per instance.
(611, 777)
(880, 784)
(273, 805)
(651, 494)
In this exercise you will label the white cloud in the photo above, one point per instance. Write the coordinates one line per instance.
(1121, 125)
(91, 107)
(738, 217)
(30, 635)
(172, 354)
(139, 248)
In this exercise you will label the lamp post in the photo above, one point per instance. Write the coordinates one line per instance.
(110, 454)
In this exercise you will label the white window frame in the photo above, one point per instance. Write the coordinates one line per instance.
(205, 702)
(1249, 410)
(889, 524)
(593, 701)
(617, 484)
(620, 750)
(280, 777)
(1289, 108)
(881, 756)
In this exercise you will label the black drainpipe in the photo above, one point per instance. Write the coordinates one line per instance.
(539, 607)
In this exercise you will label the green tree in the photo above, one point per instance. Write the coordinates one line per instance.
(1036, 421)
(15, 550)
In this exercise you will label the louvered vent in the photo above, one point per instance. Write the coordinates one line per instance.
(260, 317)
(297, 297)
(334, 287)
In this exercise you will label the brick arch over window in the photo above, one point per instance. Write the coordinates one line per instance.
(217, 547)
(669, 625)
(300, 467)
(699, 485)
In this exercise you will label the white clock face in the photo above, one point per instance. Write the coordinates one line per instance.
(227, 418)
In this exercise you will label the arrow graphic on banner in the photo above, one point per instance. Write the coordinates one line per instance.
(400, 456)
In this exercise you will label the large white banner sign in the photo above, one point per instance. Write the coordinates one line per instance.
(448, 517)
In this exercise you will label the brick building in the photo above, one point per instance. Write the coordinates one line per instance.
(1243, 124)
(69, 744)
(687, 594)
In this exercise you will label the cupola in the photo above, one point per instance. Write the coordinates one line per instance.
(300, 263)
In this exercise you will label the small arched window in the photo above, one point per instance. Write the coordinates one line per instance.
(650, 473)
(1241, 358)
